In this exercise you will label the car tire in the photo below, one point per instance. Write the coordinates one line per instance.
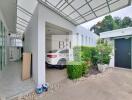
(62, 63)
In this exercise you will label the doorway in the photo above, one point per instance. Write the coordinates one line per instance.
(123, 53)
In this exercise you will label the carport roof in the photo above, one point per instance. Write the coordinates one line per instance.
(80, 11)
(75, 11)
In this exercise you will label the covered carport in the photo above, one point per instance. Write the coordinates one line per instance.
(65, 13)
(54, 36)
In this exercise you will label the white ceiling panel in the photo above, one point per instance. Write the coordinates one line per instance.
(54, 2)
(20, 27)
(19, 31)
(84, 9)
(101, 7)
(28, 5)
(89, 17)
(25, 9)
(102, 11)
(112, 1)
(74, 15)
(96, 3)
(80, 20)
(68, 10)
(118, 5)
(78, 3)
(22, 15)
(60, 3)
(63, 6)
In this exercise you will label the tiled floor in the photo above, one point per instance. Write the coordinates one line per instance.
(10, 80)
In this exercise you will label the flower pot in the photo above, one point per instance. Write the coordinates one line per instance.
(102, 67)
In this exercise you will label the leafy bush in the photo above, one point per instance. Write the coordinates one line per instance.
(86, 67)
(85, 57)
(85, 53)
(94, 53)
(104, 50)
(77, 53)
(76, 69)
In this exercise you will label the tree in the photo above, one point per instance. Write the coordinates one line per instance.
(96, 28)
(109, 23)
(118, 21)
(127, 21)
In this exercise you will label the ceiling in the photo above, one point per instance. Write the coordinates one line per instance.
(81, 11)
(56, 30)
(75, 11)
(8, 8)
(25, 9)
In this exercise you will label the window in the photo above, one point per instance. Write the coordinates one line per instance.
(77, 38)
(89, 40)
(86, 40)
(52, 51)
(64, 51)
(82, 40)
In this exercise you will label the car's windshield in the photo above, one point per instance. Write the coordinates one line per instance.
(64, 51)
(52, 51)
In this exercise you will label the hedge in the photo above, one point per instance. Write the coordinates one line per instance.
(76, 69)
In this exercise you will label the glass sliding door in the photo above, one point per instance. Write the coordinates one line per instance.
(2, 45)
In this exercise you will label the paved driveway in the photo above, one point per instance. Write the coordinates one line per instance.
(114, 84)
(55, 75)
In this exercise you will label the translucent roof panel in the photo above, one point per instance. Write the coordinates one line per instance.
(25, 9)
(75, 11)
(81, 11)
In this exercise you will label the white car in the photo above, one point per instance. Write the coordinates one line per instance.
(57, 58)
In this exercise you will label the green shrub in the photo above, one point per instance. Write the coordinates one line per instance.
(85, 53)
(77, 53)
(85, 68)
(85, 57)
(104, 50)
(94, 53)
(75, 69)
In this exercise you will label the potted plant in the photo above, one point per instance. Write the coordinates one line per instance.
(103, 56)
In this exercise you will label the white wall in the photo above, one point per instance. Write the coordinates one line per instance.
(112, 60)
(56, 42)
(35, 38)
(86, 37)
(9, 9)
(117, 33)
(31, 43)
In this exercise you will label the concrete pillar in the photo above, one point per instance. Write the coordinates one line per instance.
(41, 51)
